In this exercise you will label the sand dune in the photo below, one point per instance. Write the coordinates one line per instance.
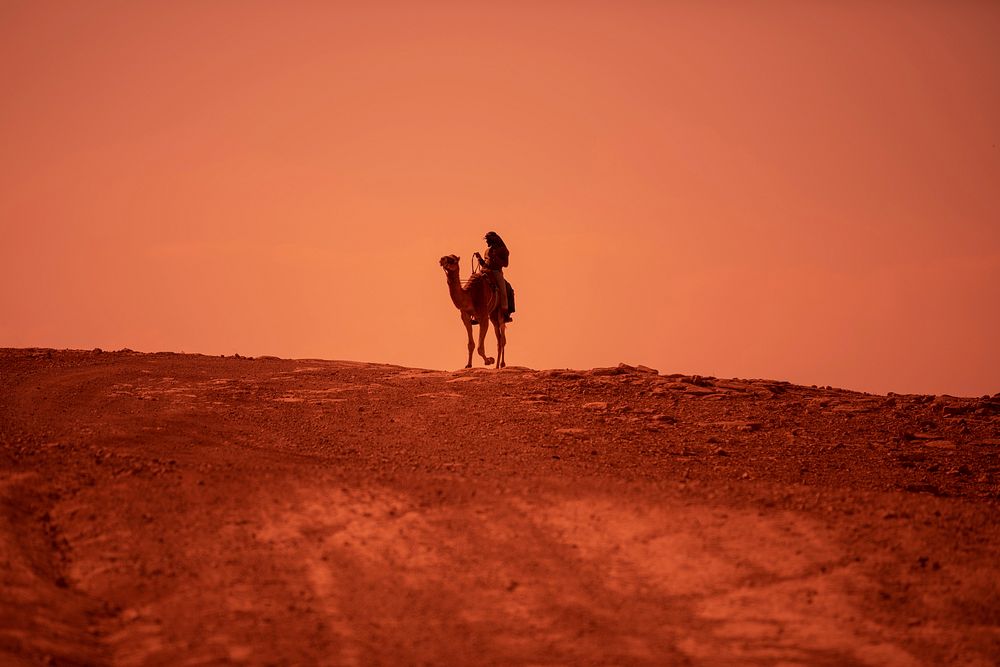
(183, 509)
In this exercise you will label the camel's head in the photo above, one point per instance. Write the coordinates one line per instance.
(450, 263)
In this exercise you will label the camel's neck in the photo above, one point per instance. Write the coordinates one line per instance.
(459, 296)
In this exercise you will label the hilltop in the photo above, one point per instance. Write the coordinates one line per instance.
(168, 508)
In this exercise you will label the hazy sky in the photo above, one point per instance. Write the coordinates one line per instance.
(793, 190)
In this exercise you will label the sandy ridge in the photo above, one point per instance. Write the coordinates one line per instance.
(184, 509)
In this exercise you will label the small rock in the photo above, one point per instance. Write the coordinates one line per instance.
(748, 427)
(939, 444)
(697, 390)
(606, 371)
(920, 436)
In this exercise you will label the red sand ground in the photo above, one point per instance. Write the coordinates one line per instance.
(174, 509)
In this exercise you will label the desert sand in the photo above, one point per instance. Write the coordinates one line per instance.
(171, 509)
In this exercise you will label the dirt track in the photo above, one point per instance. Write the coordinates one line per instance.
(180, 509)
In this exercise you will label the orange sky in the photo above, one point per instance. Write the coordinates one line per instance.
(792, 190)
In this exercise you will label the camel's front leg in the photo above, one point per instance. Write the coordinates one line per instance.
(467, 321)
(484, 326)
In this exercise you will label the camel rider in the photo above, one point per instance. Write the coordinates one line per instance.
(497, 257)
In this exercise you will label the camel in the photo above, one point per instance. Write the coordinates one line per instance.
(476, 298)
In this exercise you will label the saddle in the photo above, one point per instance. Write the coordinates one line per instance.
(488, 276)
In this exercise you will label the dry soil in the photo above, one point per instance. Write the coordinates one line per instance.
(168, 509)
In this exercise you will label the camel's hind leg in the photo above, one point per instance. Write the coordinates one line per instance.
(501, 343)
(501, 339)
(467, 321)
(484, 327)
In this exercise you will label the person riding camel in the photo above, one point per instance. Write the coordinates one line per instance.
(497, 258)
